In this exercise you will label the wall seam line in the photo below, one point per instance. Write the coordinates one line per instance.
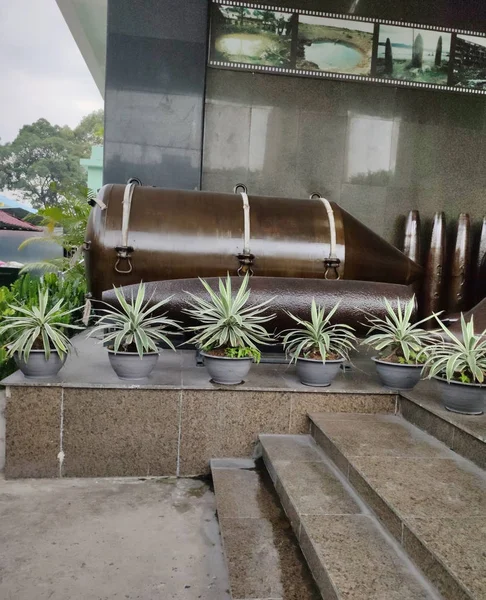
(60, 456)
(179, 435)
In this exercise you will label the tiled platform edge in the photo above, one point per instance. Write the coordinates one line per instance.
(57, 431)
(349, 554)
(432, 500)
(262, 555)
(465, 434)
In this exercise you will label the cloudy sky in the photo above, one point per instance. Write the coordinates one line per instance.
(43, 73)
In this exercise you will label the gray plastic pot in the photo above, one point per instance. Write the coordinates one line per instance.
(463, 398)
(225, 370)
(396, 376)
(38, 366)
(316, 373)
(129, 365)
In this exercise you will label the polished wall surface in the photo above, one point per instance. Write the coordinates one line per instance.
(155, 75)
(378, 151)
(461, 14)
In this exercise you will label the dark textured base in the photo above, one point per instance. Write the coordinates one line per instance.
(89, 423)
(88, 432)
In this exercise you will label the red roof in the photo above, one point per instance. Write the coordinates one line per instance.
(10, 222)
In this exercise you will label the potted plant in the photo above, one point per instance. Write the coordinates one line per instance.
(458, 365)
(134, 333)
(228, 330)
(400, 345)
(35, 336)
(318, 347)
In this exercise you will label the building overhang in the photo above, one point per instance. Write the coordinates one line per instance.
(87, 21)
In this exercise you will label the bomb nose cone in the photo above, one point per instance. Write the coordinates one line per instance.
(368, 257)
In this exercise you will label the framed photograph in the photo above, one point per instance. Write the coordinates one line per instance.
(413, 54)
(251, 36)
(334, 45)
(469, 68)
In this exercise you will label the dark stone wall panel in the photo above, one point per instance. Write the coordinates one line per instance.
(154, 101)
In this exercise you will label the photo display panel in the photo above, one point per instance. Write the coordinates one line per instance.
(254, 37)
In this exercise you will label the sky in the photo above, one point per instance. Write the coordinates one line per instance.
(345, 24)
(43, 73)
(406, 35)
(476, 40)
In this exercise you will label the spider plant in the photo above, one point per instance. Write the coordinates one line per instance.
(457, 359)
(133, 327)
(226, 322)
(395, 338)
(37, 328)
(318, 338)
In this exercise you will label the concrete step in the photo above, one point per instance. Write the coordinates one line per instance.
(262, 555)
(465, 434)
(432, 500)
(350, 554)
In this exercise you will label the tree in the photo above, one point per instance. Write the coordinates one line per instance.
(90, 130)
(240, 12)
(43, 160)
(438, 52)
(388, 57)
(418, 52)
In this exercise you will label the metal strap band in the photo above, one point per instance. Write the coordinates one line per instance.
(332, 227)
(246, 217)
(99, 202)
(127, 205)
(124, 252)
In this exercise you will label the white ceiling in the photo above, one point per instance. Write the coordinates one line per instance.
(87, 20)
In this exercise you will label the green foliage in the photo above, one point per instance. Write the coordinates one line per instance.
(25, 292)
(66, 226)
(396, 336)
(90, 130)
(318, 335)
(458, 359)
(415, 358)
(43, 160)
(224, 320)
(244, 352)
(38, 327)
(134, 326)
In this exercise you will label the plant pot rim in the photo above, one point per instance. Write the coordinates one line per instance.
(393, 364)
(452, 382)
(131, 353)
(53, 351)
(226, 357)
(319, 360)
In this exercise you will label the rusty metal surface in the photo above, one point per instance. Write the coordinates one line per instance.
(434, 268)
(457, 286)
(184, 234)
(479, 314)
(290, 294)
(480, 266)
(411, 246)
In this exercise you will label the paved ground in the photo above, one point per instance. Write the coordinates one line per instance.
(91, 539)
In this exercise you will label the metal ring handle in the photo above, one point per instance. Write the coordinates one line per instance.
(121, 271)
(314, 195)
(240, 187)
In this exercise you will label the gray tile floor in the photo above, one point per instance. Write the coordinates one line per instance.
(97, 539)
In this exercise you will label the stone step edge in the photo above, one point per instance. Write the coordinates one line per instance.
(387, 516)
(465, 442)
(234, 464)
(291, 511)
